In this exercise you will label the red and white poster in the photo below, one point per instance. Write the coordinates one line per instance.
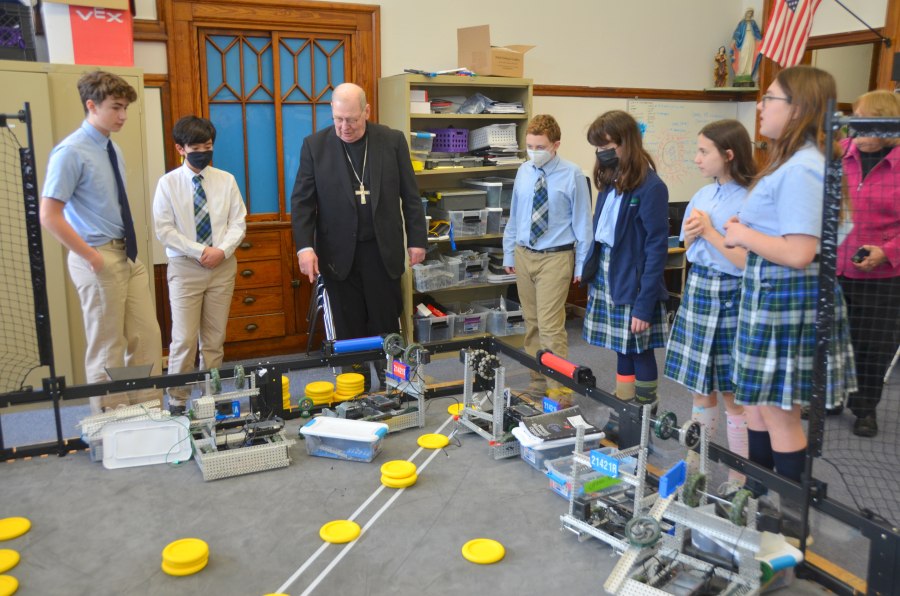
(89, 35)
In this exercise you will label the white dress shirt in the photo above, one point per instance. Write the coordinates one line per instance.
(173, 211)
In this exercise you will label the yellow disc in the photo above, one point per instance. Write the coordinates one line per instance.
(350, 378)
(399, 482)
(398, 469)
(339, 531)
(483, 551)
(8, 560)
(455, 409)
(318, 388)
(8, 585)
(433, 441)
(13, 527)
(185, 553)
(182, 571)
(285, 382)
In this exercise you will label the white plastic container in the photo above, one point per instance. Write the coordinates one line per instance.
(351, 440)
(146, 442)
(492, 135)
(537, 453)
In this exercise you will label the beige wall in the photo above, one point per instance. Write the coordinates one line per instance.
(850, 66)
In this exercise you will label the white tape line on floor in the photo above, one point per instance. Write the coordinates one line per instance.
(361, 508)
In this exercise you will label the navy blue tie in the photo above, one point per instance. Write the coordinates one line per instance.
(130, 238)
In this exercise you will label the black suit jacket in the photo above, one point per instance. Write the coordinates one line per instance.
(323, 206)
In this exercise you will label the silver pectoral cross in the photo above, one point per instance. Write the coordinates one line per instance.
(362, 192)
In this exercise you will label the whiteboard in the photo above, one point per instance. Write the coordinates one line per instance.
(671, 138)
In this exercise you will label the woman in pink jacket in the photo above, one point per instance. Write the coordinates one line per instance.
(868, 263)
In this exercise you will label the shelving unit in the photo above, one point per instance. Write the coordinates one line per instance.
(393, 111)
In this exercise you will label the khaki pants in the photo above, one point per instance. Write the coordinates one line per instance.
(543, 281)
(119, 315)
(200, 299)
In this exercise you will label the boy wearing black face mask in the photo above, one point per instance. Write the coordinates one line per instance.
(199, 215)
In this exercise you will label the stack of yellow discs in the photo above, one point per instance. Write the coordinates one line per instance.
(320, 392)
(184, 557)
(285, 393)
(398, 474)
(349, 385)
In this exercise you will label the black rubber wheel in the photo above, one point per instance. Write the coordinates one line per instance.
(393, 345)
(642, 531)
(690, 434)
(411, 356)
(306, 404)
(665, 425)
(694, 487)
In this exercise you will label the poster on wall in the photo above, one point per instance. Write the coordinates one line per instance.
(670, 130)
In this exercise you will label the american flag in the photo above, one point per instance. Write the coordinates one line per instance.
(788, 31)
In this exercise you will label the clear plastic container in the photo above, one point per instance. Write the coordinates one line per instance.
(465, 223)
(421, 141)
(428, 329)
(494, 219)
(502, 322)
(499, 190)
(538, 455)
(559, 471)
(457, 199)
(435, 163)
(435, 275)
(351, 440)
(467, 321)
(474, 267)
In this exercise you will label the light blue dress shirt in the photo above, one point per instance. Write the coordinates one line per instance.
(606, 227)
(790, 199)
(79, 174)
(720, 202)
(570, 210)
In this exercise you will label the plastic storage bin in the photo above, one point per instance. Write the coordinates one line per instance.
(17, 41)
(428, 329)
(559, 471)
(493, 135)
(502, 322)
(499, 190)
(467, 323)
(473, 268)
(465, 223)
(457, 199)
(495, 222)
(538, 453)
(351, 440)
(435, 275)
(450, 140)
(421, 141)
(435, 163)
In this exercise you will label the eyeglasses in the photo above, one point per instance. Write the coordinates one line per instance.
(766, 98)
(350, 121)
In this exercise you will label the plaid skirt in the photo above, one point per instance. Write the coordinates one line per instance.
(609, 326)
(772, 360)
(699, 351)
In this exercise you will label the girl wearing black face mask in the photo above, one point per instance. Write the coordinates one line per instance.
(626, 309)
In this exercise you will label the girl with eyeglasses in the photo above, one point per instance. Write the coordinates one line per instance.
(780, 225)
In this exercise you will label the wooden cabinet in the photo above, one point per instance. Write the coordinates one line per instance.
(393, 111)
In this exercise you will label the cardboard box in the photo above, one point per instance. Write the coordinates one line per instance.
(474, 51)
(420, 107)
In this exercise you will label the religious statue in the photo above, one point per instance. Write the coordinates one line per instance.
(721, 69)
(745, 51)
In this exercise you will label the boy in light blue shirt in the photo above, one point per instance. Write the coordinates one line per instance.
(545, 244)
(85, 206)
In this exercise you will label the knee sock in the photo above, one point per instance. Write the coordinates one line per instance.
(790, 464)
(646, 376)
(737, 434)
(759, 448)
(624, 377)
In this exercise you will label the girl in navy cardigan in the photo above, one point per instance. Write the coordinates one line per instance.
(626, 309)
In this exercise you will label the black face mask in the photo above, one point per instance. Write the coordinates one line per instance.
(200, 159)
(608, 158)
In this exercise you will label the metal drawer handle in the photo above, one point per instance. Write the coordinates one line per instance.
(247, 272)
(249, 300)
(251, 327)
(246, 245)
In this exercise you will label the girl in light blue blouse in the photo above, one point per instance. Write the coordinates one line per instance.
(699, 350)
(780, 225)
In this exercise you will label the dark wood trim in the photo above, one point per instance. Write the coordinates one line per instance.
(146, 30)
(161, 82)
(877, 50)
(767, 71)
(635, 93)
(837, 40)
(892, 32)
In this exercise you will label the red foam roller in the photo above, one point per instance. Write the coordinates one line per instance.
(559, 365)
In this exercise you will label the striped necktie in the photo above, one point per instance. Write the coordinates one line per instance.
(540, 210)
(201, 213)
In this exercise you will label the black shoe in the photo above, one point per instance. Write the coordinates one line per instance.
(642, 401)
(804, 412)
(865, 426)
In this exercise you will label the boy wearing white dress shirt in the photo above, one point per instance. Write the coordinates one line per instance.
(199, 215)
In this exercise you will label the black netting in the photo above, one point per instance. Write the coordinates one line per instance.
(861, 443)
(19, 352)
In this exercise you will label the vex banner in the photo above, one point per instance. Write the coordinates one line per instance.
(102, 36)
